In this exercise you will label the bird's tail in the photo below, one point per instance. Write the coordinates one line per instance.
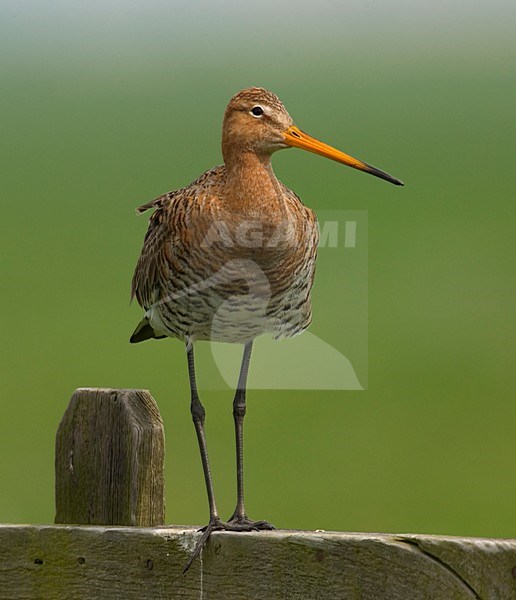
(144, 332)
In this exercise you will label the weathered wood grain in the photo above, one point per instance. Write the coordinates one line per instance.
(70, 562)
(110, 459)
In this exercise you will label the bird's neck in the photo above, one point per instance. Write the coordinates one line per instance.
(251, 185)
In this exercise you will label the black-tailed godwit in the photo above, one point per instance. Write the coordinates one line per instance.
(232, 256)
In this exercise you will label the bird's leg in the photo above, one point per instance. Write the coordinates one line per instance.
(239, 517)
(239, 521)
(198, 415)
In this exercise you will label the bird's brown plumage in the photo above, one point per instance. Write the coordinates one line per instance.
(232, 255)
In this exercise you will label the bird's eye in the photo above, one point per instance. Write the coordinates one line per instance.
(257, 111)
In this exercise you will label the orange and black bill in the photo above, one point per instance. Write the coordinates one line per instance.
(295, 137)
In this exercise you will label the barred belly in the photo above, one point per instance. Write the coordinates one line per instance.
(238, 301)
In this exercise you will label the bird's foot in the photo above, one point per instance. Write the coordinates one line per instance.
(243, 523)
(235, 523)
(215, 524)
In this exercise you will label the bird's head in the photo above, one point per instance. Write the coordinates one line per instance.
(256, 121)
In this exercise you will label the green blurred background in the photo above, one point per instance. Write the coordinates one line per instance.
(107, 105)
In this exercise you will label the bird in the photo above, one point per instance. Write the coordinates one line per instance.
(230, 257)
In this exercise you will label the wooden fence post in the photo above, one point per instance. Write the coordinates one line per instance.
(109, 464)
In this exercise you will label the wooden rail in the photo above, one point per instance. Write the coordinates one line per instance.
(125, 563)
(110, 543)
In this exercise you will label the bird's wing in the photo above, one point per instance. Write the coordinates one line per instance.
(157, 202)
(169, 227)
(152, 264)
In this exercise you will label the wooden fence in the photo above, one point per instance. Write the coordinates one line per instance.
(110, 542)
